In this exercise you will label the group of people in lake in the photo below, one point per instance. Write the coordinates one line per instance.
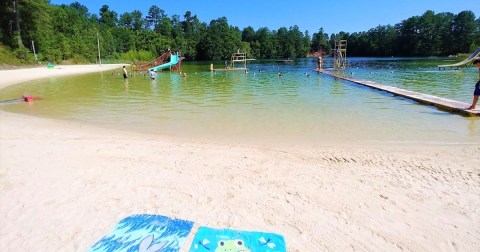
(476, 91)
(152, 74)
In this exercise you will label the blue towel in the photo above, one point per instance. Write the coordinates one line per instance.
(145, 233)
(217, 240)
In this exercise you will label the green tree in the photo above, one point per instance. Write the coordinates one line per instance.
(266, 43)
(249, 37)
(126, 20)
(166, 27)
(81, 9)
(320, 42)
(427, 34)
(219, 41)
(154, 17)
(285, 43)
(108, 17)
(192, 28)
(17, 32)
(178, 35)
(444, 27)
(137, 20)
(358, 44)
(298, 39)
(132, 20)
(248, 34)
(124, 39)
(476, 40)
(408, 34)
(34, 20)
(464, 28)
(381, 41)
(69, 33)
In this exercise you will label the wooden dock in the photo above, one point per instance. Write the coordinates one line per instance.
(444, 104)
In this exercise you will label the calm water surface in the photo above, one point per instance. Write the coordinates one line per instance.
(300, 107)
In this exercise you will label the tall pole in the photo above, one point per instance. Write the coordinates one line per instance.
(34, 53)
(98, 45)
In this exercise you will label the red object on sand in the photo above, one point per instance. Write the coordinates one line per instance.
(28, 98)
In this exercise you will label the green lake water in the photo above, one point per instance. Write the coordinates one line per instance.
(300, 107)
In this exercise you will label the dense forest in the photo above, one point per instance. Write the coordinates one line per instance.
(68, 34)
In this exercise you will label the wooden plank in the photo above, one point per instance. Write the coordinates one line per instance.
(439, 102)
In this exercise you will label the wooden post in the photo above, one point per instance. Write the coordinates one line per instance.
(98, 45)
(34, 53)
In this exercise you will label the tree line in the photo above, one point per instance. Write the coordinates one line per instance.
(69, 33)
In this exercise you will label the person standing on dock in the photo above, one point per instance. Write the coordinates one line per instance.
(319, 62)
(476, 91)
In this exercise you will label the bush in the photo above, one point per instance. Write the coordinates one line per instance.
(24, 55)
(132, 56)
(7, 56)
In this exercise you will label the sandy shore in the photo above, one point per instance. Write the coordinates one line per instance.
(64, 185)
(10, 77)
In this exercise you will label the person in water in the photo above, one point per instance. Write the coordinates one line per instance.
(125, 73)
(319, 62)
(476, 91)
(152, 75)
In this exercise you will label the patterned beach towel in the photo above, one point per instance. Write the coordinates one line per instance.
(145, 233)
(218, 240)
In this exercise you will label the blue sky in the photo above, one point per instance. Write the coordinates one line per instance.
(334, 16)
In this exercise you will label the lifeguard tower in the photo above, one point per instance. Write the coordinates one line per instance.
(340, 54)
(238, 61)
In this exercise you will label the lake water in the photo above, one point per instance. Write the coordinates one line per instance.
(300, 107)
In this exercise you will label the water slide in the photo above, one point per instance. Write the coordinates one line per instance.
(174, 58)
(465, 61)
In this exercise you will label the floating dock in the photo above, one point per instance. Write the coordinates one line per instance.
(228, 69)
(285, 61)
(444, 104)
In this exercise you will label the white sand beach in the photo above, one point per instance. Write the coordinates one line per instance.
(64, 185)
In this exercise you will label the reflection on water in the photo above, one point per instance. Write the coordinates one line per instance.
(302, 106)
